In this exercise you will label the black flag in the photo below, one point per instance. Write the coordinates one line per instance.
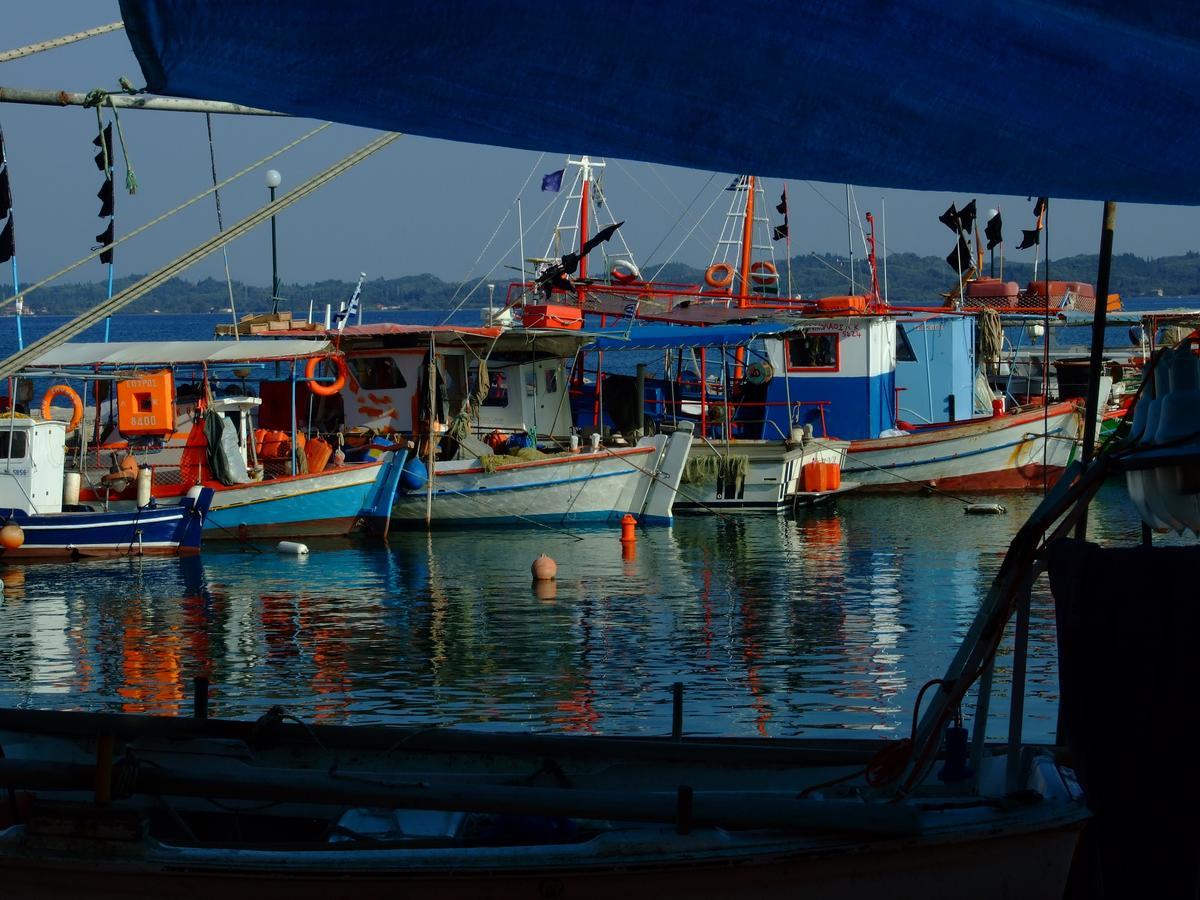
(966, 217)
(781, 208)
(1030, 238)
(1040, 206)
(960, 257)
(5, 192)
(103, 239)
(779, 232)
(105, 149)
(950, 218)
(600, 237)
(993, 231)
(737, 184)
(8, 241)
(106, 198)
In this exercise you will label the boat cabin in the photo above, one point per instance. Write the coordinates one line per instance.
(31, 464)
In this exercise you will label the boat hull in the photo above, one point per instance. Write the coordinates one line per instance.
(773, 475)
(158, 531)
(997, 454)
(582, 487)
(329, 503)
(1031, 864)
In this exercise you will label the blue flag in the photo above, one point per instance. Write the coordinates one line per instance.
(553, 181)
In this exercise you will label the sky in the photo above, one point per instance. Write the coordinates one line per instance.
(420, 205)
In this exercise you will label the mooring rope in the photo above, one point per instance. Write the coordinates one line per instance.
(30, 49)
(95, 253)
(81, 323)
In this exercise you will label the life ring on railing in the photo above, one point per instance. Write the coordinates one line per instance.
(719, 275)
(759, 372)
(325, 390)
(64, 390)
(763, 272)
(624, 273)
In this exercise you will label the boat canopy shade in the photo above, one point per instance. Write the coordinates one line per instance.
(1078, 319)
(1062, 98)
(176, 353)
(677, 337)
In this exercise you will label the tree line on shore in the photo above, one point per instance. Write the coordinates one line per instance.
(911, 279)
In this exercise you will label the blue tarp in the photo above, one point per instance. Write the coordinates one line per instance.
(675, 337)
(1096, 99)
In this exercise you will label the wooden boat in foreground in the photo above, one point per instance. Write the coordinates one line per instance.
(146, 806)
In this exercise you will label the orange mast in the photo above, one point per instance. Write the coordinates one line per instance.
(747, 242)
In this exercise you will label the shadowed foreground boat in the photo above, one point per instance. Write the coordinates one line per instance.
(139, 806)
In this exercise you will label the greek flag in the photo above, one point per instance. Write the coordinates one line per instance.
(351, 311)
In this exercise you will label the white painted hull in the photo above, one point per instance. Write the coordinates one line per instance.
(587, 486)
(774, 475)
(1002, 453)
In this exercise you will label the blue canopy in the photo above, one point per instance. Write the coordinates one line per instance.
(676, 337)
(1093, 100)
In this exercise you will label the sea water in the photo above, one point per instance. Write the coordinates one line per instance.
(820, 623)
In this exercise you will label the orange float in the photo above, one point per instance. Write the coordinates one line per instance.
(763, 272)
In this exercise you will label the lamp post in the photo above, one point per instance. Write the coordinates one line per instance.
(992, 213)
(273, 180)
(491, 306)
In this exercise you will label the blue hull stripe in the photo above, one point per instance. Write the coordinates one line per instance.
(327, 504)
(516, 487)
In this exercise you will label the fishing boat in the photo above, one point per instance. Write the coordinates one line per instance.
(486, 410)
(36, 524)
(903, 387)
(220, 415)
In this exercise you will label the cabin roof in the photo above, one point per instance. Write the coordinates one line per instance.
(676, 337)
(170, 353)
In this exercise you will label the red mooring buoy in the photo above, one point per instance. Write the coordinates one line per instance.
(544, 568)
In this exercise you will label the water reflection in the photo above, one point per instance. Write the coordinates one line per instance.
(822, 623)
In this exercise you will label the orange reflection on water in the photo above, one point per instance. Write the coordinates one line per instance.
(151, 668)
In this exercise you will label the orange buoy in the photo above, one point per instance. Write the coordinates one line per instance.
(544, 568)
(628, 553)
(12, 536)
(628, 532)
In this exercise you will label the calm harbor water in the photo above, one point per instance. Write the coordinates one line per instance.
(823, 623)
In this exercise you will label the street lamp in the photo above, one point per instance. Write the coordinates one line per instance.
(273, 180)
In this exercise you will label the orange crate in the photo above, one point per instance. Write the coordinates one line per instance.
(553, 316)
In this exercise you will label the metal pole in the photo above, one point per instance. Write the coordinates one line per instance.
(1099, 320)
(850, 240)
(1016, 714)
(429, 436)
(274, 261)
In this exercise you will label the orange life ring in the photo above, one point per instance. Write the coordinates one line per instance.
(763, 272)
(325, 390)
(64, 390)
(719, 275)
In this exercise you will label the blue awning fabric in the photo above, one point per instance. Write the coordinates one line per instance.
(1089, 100)
(676, 337)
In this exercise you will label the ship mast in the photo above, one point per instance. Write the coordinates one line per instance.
(743, 285)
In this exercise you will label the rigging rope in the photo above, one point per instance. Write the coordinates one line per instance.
(212, 158)
(30, 49)
(95, 253)
(80, 323)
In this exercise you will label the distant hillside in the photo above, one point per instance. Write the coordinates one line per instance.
(910, 279)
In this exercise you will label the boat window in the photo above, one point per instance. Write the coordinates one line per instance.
(904, 347)
(377, 373)
(497, 394)
(818, 350)
(530, 382)
(19, 444)
(551, 381)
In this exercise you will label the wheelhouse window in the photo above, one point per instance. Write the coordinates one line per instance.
(551, 381)
(18, 446)
(497, 389)
(904, 347)
(816, 351)
(377, 373)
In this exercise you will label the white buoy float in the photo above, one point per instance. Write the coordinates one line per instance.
(145, 478)
(985, 509)
(292, 548)
(71, 482)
